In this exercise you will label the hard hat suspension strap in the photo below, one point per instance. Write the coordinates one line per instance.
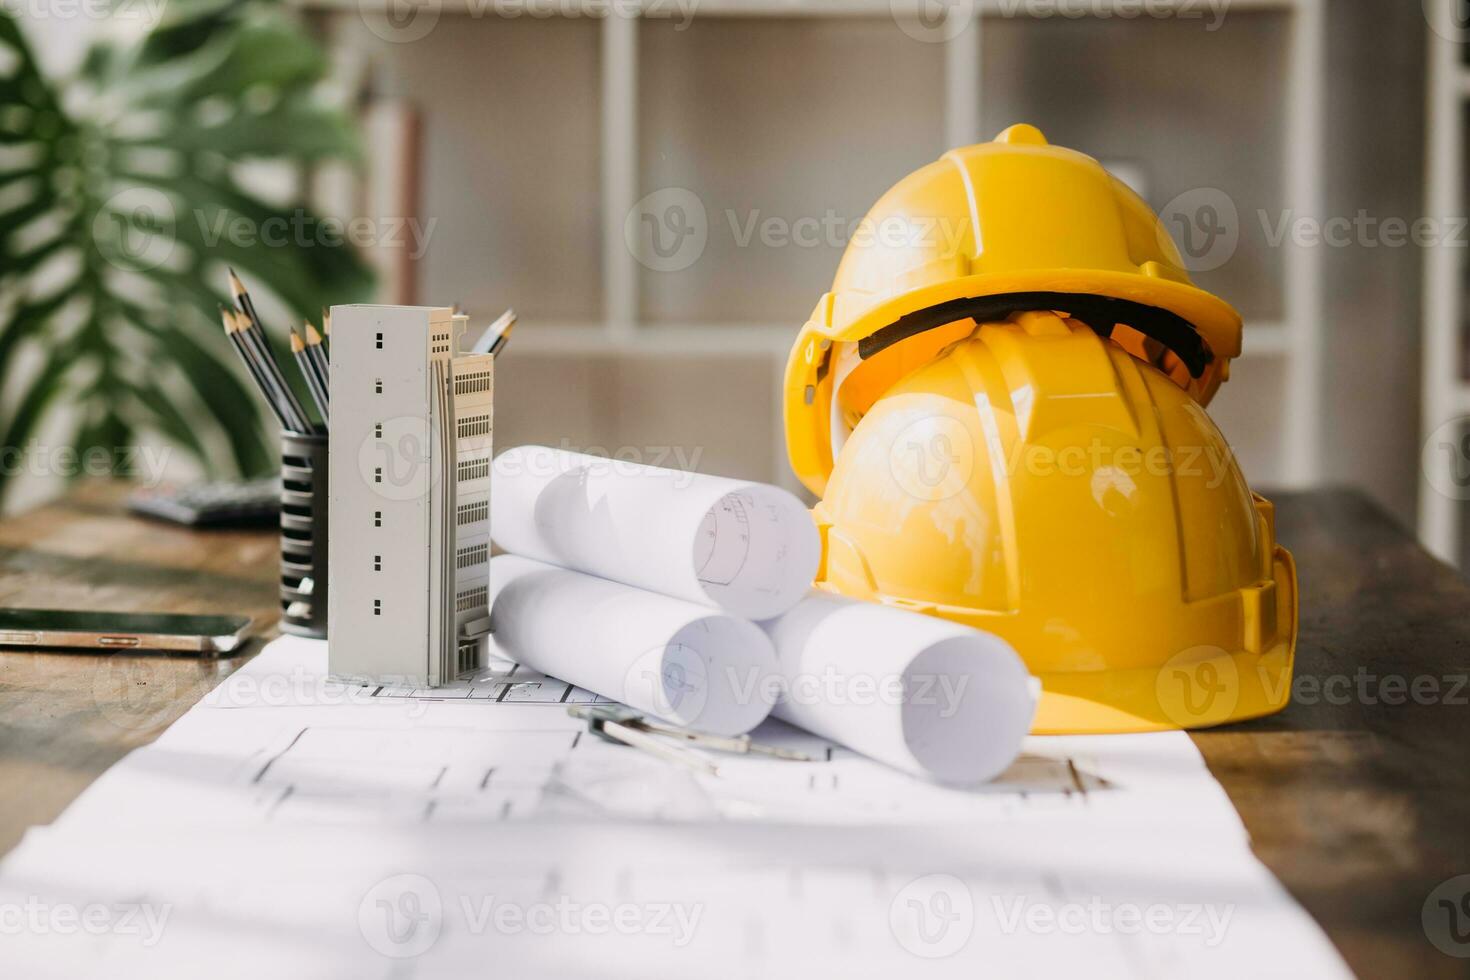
(1101, 313)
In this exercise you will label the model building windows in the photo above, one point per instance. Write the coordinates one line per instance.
(377, 518)
(472, 469)
(377, 607)
(472, 512)
(380, 341)
(473, 382)
(472, 555)
(378, 431)
(377, 474)
(377, 563)
(378, 386)
(474, 425)
(470, 599)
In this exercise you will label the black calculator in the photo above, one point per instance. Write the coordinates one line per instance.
(227, 503)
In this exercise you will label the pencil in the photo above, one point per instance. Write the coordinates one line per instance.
(275, 385)
(243, 302)
(254, 336)
(308, 371)
(316, 351)
(314, 342)
(232, 332)
(496, 335)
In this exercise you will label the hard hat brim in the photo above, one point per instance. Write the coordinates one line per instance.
(849, 317)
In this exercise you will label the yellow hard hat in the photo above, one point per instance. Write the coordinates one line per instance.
(1016, 441)
(991, 229)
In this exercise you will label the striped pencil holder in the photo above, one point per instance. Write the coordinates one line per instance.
(304, 534)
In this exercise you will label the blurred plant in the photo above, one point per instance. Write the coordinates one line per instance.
(117, 186)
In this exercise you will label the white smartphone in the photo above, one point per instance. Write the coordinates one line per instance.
(119, 632)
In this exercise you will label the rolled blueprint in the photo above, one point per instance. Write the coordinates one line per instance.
(920, 693)
(748, 548)
(683, 662)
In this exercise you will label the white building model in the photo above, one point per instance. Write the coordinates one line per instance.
(409, 518)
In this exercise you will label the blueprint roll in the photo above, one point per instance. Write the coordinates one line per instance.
(747, 548)
(680, 661)
(923, 694)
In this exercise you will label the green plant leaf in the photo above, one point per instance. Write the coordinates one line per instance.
(114, 185)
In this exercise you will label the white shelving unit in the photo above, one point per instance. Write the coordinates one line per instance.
(1303, 346)
(1444, 391)
(1295, 339)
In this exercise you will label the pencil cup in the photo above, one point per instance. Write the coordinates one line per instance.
(304, 534)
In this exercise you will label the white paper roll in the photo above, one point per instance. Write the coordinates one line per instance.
(747, 548)
(684, 662)
(920, 693)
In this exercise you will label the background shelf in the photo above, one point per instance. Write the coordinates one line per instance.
(547, 132)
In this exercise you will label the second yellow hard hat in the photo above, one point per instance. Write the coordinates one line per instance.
(1000, 404)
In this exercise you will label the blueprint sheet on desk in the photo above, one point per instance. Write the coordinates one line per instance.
(290, 826)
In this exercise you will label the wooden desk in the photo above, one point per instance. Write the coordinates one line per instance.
(1359, 806)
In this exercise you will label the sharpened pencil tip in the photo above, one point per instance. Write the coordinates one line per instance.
(297, 346)
(312, 337)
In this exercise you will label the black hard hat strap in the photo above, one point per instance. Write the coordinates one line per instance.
(1100, 313)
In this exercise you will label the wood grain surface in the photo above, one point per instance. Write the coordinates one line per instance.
(1357, 796)
(66, 717)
